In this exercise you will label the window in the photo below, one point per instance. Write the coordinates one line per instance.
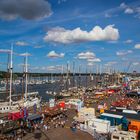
(115, 137)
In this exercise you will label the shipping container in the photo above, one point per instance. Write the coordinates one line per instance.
(115, 120)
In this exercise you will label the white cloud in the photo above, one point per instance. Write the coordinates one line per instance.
(62, 35)
(5, 51)
(107, 15)
(129, 11)
(57, 67)
(53, 54)
(90, 64)
(110, 63)
(137, 46)
(123, 52)
(128, 41)
(26, 9)
(94, 60)
(86, 55)
(25, 54)
(135, 63)
(21, 43)
(123, 5)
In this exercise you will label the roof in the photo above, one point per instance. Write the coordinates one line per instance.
(112, 115)
(99, 120)
(79, 119)
(34, 117)
(127, 115)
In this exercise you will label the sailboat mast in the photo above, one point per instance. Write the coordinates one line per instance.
(26, 76)
(11, 73)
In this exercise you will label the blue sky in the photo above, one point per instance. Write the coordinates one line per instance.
(91, 33)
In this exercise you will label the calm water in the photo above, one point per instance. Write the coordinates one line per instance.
(55, 87)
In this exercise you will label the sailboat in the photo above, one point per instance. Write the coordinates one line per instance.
(29, 99)
(8, 105)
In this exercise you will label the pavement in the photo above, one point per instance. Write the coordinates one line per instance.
(60, 133)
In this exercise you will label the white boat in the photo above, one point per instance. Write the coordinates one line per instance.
(29, 99)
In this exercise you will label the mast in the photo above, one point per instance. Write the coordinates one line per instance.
(26, 76)
(79, 75)
(73, 73)
(11, 73)
(67, 76)
(23, 78)
(7, 75)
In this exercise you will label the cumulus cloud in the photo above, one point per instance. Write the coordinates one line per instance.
(128, 41)
(21, 43)
(129, 11)
(26, 9)
(94, 60)
(123, 52)
(137, 46)
(53, 54)
(62, 35)
(86, 55)
(89, 56)
(133, 9)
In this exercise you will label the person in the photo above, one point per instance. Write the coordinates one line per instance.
(37, 134)
(46, 128)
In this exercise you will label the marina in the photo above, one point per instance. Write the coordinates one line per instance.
(90, 105)
(69, 70)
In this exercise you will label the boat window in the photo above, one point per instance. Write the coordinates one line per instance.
(4, 108)
(7, 107)
(0, 108)
(115, 137)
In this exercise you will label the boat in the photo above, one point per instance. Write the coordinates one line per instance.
(28, 100)
(2, 89)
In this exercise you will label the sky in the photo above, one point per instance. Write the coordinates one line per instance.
(95, 35)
